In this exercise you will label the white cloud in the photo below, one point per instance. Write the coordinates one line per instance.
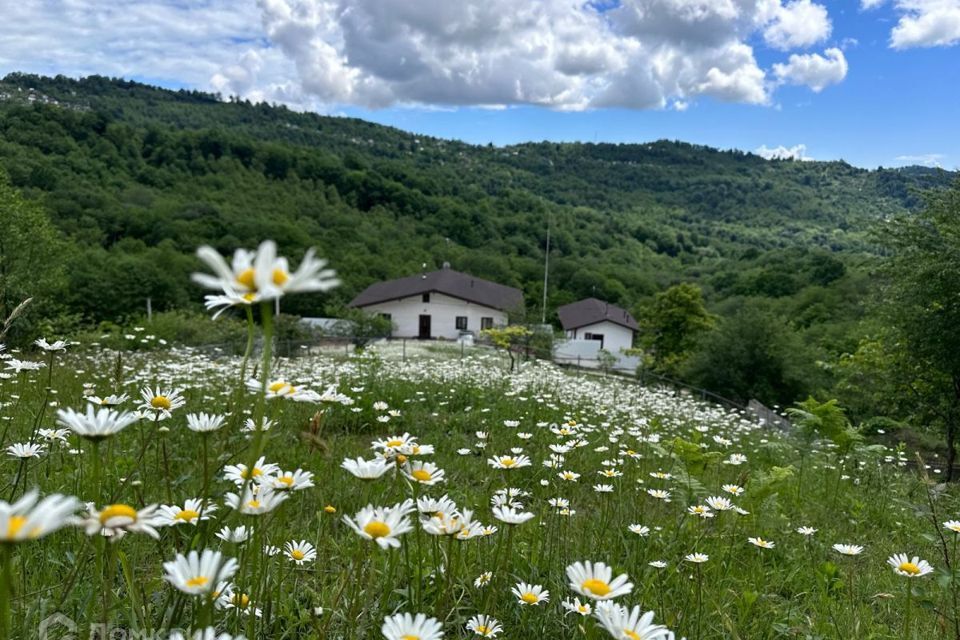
(796, 152)
(926, 23)
(561, 54)
(813, 70)
(922, 23)
(925, 159)
(800, 23)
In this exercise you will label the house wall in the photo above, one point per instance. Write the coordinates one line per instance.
(586, 354)
(615, 336)
(443, 311)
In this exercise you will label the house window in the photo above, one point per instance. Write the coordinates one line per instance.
(593, 336)
(486, 323)
(461, 323)
(385, 316)
(425, 297)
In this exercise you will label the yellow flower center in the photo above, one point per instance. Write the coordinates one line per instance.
(422, 475)
(287, 480)
(279, 386)
(256, 472)
(160, 402)
(296, 554)
(240, 600)
(187, 515)
(330, 508)
(254, 504)
(395, 443)
(409, 637)
(401, 459)
(909, 567)
(199, 581)
(529, 598)
(14, 525)
(633, 635)
(483, 629)
(582, 608)
(246, 278)
(117, 511)
(377, 529)
(507, 462)
(596, 587)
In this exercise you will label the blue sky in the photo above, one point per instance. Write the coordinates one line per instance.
(893, 108)
(874, 82)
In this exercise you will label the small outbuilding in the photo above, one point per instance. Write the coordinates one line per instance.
(593, 319)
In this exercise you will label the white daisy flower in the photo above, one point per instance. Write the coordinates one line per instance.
(382, 525)
(198, 574)
(28, 519)
(95, 424)
(634, 624)
(300, 551)
(594, 580)
(403, 626)
(115, 520)
(204, 422)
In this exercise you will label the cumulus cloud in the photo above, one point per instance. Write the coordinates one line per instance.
(796, 152)
(798, 24)
(812, 69)
(561, 54)
(925, 159)
(927, 23)
(923, 23)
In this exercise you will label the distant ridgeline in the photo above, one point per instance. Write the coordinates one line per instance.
(136, 177)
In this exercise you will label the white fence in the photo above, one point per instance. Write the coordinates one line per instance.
(586, 354)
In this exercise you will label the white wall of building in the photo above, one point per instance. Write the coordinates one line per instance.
(443, 311)
(586, 354)
(615, 337)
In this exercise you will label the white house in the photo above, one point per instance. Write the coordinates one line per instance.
(591, 319)
(440, 304)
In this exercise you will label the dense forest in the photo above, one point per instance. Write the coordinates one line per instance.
(114, 184)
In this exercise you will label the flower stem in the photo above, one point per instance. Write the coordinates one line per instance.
(249, 349)
(907, 612)
(97, 492)
(6, 589)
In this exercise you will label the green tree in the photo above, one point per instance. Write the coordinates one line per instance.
(510, 339)
(920, 305)
(31, 254)
(672, 324)
(753, 354)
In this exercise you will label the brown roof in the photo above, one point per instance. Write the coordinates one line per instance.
(590, 311)
(448, 282)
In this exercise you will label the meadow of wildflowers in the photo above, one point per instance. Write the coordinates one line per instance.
(169, 493)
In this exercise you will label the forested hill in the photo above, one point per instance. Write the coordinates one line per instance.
(134, 178)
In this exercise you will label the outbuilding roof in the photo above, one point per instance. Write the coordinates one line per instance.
(591, 311)
(448, 282)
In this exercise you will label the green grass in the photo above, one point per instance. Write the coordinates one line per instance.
(799, 589)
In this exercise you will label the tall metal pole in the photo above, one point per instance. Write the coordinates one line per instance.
(546, 267)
